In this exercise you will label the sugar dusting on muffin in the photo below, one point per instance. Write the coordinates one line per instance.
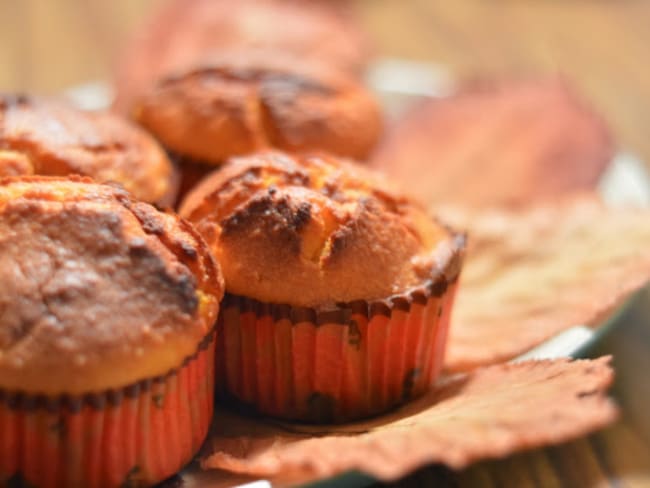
(313, 230)
(94, 280)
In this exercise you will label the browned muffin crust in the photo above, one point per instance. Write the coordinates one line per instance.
(182, 31)
(315, 231)
(48, 137)
(99, 291)
(243, 101)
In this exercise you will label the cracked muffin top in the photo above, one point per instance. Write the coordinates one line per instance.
(315, 231)
(241, 101)
(48, 137)
(98, 291)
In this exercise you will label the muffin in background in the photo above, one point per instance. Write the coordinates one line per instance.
(48, 137)
(182, 31)
(242, 101)
(338, 290)
(106, 336)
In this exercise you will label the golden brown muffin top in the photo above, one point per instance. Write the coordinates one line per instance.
(48, 137)
(98, 291)
(242, 101)
(314, 231)
(183, 30)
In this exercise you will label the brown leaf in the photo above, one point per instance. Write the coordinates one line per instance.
(498, 142)
(489, 413)
(533, 273)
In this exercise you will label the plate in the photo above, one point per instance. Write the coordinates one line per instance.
(399, 83)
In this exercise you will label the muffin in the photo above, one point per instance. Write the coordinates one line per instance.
(338, 290)
(106, 336)
(183, 30)
(47, 137)
(243, 101)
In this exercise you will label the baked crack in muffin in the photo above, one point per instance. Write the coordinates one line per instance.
(106, 336)
(339, 290)
(241, 102)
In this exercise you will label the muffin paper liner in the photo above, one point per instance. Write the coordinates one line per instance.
(356, 360)
(135, 436)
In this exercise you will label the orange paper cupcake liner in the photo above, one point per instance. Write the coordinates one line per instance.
(354, 361)
(135, 436)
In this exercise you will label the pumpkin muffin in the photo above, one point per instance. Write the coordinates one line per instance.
(182, 31)
(338, 290)
(106, 336)
(47, 137)
(244, 101)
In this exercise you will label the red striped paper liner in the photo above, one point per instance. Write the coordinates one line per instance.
(135, 436)
(355, 361)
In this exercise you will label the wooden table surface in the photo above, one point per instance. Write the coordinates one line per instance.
(602, 46)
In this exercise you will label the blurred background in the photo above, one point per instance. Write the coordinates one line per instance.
(602, 46)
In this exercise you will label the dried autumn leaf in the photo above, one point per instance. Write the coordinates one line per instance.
(533, 273)
(489, 413)
(496, 143)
